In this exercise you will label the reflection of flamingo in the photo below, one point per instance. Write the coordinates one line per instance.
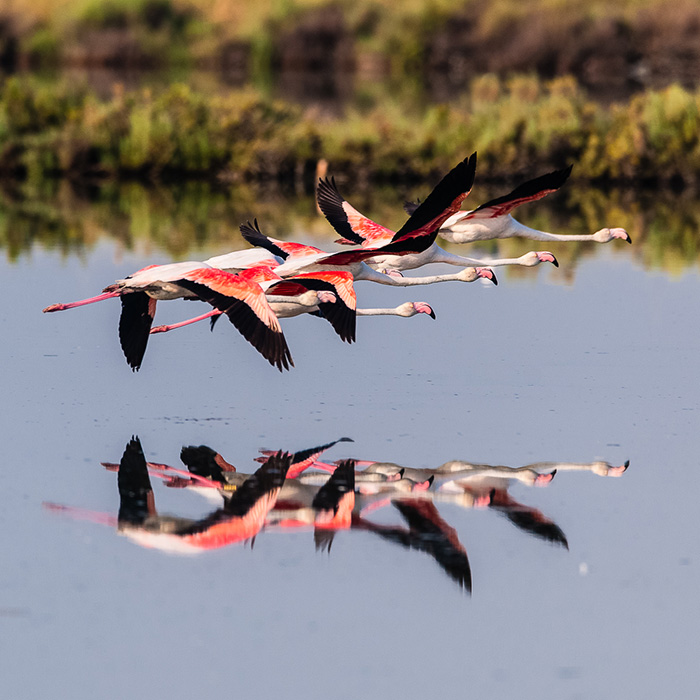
(329, 507)
(327, 502)
(203, 461)
(427, 532)
(240, 518)
(357, 228)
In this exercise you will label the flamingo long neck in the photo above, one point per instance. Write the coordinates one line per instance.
(365, 272)
(519, 229)
(478, 229)
(443, 256)
(380, 312)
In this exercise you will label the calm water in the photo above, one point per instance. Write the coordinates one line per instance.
(595, 361)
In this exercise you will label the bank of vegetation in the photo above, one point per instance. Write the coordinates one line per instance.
(519, 126)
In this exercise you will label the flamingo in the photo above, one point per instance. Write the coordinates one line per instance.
(417, 234)
(488, 221)
(494, 220)
(243, 301)
(301, 258)
(285, 309)
(328, 293)
(357, 228)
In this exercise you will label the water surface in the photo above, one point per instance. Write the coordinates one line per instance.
(594, 361)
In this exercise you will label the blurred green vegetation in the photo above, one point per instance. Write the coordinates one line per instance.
(395, 30)
(196, 219)
(518, 126)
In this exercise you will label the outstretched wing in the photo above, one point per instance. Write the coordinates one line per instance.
(444, 201)
(283, 249)
(135, 492)
(243, 515)
(346, 220)
(420, 230)
(529, 191)
(247, 308)
(135, 321)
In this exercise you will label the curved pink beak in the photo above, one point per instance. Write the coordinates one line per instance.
(487, 274)
(618, 471)
(621, 234)
(546, 256)
(544, 479)
(423, 308)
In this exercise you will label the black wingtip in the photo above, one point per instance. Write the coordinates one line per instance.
(330, 202)
(458, 182)
(253, 235)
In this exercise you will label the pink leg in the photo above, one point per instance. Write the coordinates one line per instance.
(165, 329)
(381, 503)
(164, 471)
(324, 466)
(81, 514)
(82, 302)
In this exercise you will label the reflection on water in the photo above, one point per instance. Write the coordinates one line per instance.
(187, 218)
(299, 490)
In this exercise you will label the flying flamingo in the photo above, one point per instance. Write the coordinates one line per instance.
(357, 228)
(488, 221)
(494, 220)
(284, 308)
(329, 293)
(241, 300)
(301, 258)
(416, 235)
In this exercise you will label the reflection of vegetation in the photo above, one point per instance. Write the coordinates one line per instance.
(197, 219)
(516, 126)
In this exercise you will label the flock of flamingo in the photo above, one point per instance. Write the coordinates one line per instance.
(277, 279)
(283, 494)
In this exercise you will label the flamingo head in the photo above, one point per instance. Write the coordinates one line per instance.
(411, 308)
(546, 256)
(544, 479)
(486, 273)
(608, 234)
(469, 274)
(604, 469)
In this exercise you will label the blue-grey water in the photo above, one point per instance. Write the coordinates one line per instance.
(595, 361)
